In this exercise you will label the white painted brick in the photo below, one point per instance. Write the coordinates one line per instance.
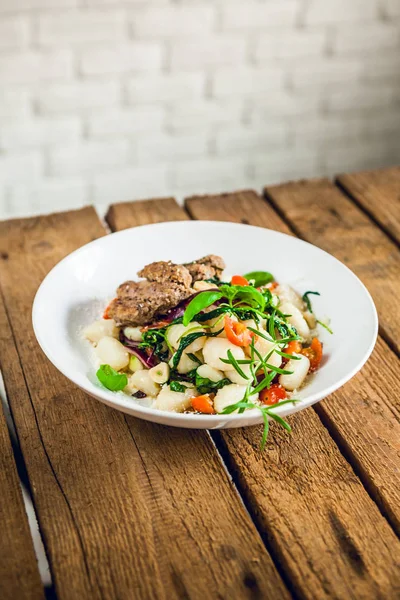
(14, 33)
(79, 26)
(386, 122)
(91, 157)
(27, 5)
(172, 21)
(47, 195)
(366, 37)
(283, 165)
(14, 103)
(337, 11)
(328, 128)
(131, 184)
(246, 81)
(374, 68)
(169, 148)
(34, 67)
(206, 113)
(284, 103)
(357, 156)
(241, 141)
(125, 122)
(39, 132)
(77, 96)
(212, 171)
(362, 96)
(326, 71)
(208, 51)
(169, 87)
(391, 8)
(290, 44)
(137, 56)
(260, 15)
(17, 167)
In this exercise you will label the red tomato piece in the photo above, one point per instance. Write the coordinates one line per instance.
(314, 354)
(293, 347)
(106, 314)
(273, 394)
(239, 280)
(236, 332)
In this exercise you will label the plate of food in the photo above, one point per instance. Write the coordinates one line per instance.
(205, 324)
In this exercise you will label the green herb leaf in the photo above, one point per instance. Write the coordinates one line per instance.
(259, 277)
(111, 379)
(231, 360)
(213, 313)
(199, 303)
(186, 340)
(325, 326)
(206, 386)
(177, 387)
(307, 299)
(194, 358)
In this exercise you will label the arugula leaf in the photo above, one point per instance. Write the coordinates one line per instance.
(111, 379)
(259, 277)
(177, 387)
(206, 386)
(307, 299)
(200, 302)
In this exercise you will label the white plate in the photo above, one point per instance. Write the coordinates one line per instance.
(76, 291)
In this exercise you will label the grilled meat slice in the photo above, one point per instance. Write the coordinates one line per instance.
(162, 271)
(206, 268)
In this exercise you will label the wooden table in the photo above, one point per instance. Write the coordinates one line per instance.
(132, 510)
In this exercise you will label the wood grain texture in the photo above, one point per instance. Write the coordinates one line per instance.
(302, 492)
(19, 575)
(127, 509)
(321, 214)
(143, 212)
(378, 192)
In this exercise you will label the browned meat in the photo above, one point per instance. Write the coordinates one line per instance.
(205, 268)
(166, 271)
(144, 302)
(164, 286)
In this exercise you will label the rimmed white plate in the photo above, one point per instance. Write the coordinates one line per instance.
(76, 290)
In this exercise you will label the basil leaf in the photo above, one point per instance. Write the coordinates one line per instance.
(307, 299)
(259, 277)
(249, 295)
(111, 379)
(206, 386)
(177, 387)
(199, 302)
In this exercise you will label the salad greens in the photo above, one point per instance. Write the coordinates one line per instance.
(259, 278)
(111, 379)
(307, 299)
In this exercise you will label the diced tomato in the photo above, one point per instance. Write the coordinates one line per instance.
(236, 332)
(203, 404)
(314, 354)
(239, 280)
(156, 325)
(106, 314)
(273, 395)
(272, 286)
(293, 347)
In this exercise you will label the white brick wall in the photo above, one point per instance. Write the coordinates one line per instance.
(107, 100)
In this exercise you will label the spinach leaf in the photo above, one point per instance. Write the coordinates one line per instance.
(207, 386)
(186, 340)
(259, 277)
(111, 379)
(199, 302)
(177, 387)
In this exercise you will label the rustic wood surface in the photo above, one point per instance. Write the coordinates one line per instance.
(291, 542)
(320, 213)
(19, 575)
(378, 192)
(120, 514)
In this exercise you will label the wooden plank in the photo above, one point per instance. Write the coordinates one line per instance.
(19, 575)
(306, 498)
(378, 192)
(143, 212)
(127, 509)
(321, 214)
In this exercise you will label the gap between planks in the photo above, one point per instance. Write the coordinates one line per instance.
(131, 216)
